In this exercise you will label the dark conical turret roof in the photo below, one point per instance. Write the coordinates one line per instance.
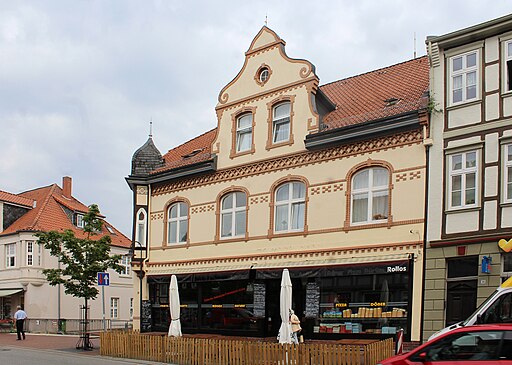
(146, 159)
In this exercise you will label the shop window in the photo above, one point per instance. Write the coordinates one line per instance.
(462, 267)
(10, 255)
(290, 207)
(177, 223)
(507, 168)
(281, 123)
(463, 187)
(141, 228)
(464, 77)
(370, 196)
(233, 215)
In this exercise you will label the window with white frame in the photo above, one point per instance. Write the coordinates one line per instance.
(177, 223)
(370, 195)
(141, 228)
(10, 255)
(281, 122)
(126, 263)
(464, 77)
(290, 207)
(508, 65)
(508, 173)
(244, 132)
(30, 253)
(80, 220)
(463, 179)
(233, 215)
(114, 308)
(131, 308)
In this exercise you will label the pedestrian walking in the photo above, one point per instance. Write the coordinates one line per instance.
(296, 328)
(20, 317)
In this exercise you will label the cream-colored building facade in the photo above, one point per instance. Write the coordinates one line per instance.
(326, 181)
(470, 189)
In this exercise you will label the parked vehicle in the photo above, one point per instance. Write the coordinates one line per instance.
(497, 308)
(478, 345)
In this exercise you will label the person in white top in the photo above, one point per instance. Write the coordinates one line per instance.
(20, 317)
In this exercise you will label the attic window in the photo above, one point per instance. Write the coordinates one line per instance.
(263, 74)
(193, 153)
(110, 230)
(391, 101)
(80, 220)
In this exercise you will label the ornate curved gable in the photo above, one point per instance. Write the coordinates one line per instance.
(268, 76)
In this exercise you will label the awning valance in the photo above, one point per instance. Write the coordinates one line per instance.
(8, 292)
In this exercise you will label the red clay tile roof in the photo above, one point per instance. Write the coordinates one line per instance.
(49, 214)
(358, 99)
(15, 199)
(191, 152)
(363, 98)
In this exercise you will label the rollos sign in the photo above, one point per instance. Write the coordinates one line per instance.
(396, 269)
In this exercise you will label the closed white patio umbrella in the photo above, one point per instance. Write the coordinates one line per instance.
(174, 308)
(285, 331)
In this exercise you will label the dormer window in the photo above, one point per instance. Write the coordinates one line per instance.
(80, 220)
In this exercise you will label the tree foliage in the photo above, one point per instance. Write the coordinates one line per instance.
(80, 258)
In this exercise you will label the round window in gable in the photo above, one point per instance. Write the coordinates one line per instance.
(263, 74)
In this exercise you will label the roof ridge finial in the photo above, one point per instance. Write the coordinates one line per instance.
(266, 19)
(151, 127)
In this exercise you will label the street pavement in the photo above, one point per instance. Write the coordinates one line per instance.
(42, 349)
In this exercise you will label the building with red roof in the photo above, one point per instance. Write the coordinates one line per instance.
(23, 260)
(324, 180)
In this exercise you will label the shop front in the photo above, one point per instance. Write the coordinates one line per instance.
(367, 300)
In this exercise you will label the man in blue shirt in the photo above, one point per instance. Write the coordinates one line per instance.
(20, 317)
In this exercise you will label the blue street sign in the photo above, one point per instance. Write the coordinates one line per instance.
(103, 279)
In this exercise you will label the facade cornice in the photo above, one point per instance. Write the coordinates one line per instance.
(292, 161)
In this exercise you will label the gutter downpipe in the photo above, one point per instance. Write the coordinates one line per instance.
(425, 230)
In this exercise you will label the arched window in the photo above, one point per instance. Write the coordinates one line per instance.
(244, 132)
(281, 122)
(140, 229)
(233, 215)
(290, 206)
(177, 223)
(370, 195)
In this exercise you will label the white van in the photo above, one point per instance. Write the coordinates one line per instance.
(495, 309)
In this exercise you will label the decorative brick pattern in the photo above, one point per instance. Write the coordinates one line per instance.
(404, 176)
(157, 216)
(142, 190)
(202, 209)
(289, 162)
(401, 177)
(259, 199)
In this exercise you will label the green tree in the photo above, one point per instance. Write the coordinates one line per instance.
(80, 259)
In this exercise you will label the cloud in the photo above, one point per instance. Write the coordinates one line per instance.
(80, 81)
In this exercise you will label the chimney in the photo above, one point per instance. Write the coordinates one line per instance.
(66, 186)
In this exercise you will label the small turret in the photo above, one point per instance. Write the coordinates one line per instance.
(146, 159)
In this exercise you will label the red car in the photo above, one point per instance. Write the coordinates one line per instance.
(482, 344)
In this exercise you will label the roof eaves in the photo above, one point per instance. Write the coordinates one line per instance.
(360, 131)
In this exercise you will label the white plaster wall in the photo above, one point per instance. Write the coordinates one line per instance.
(463, 221)
(490, 214)
(463, 116)
(492, 110)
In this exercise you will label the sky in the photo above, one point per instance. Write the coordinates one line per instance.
(80, 80)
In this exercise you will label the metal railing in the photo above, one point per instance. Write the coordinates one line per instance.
(72, 326)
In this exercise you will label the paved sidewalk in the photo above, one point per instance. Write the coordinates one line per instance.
(49, 342)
